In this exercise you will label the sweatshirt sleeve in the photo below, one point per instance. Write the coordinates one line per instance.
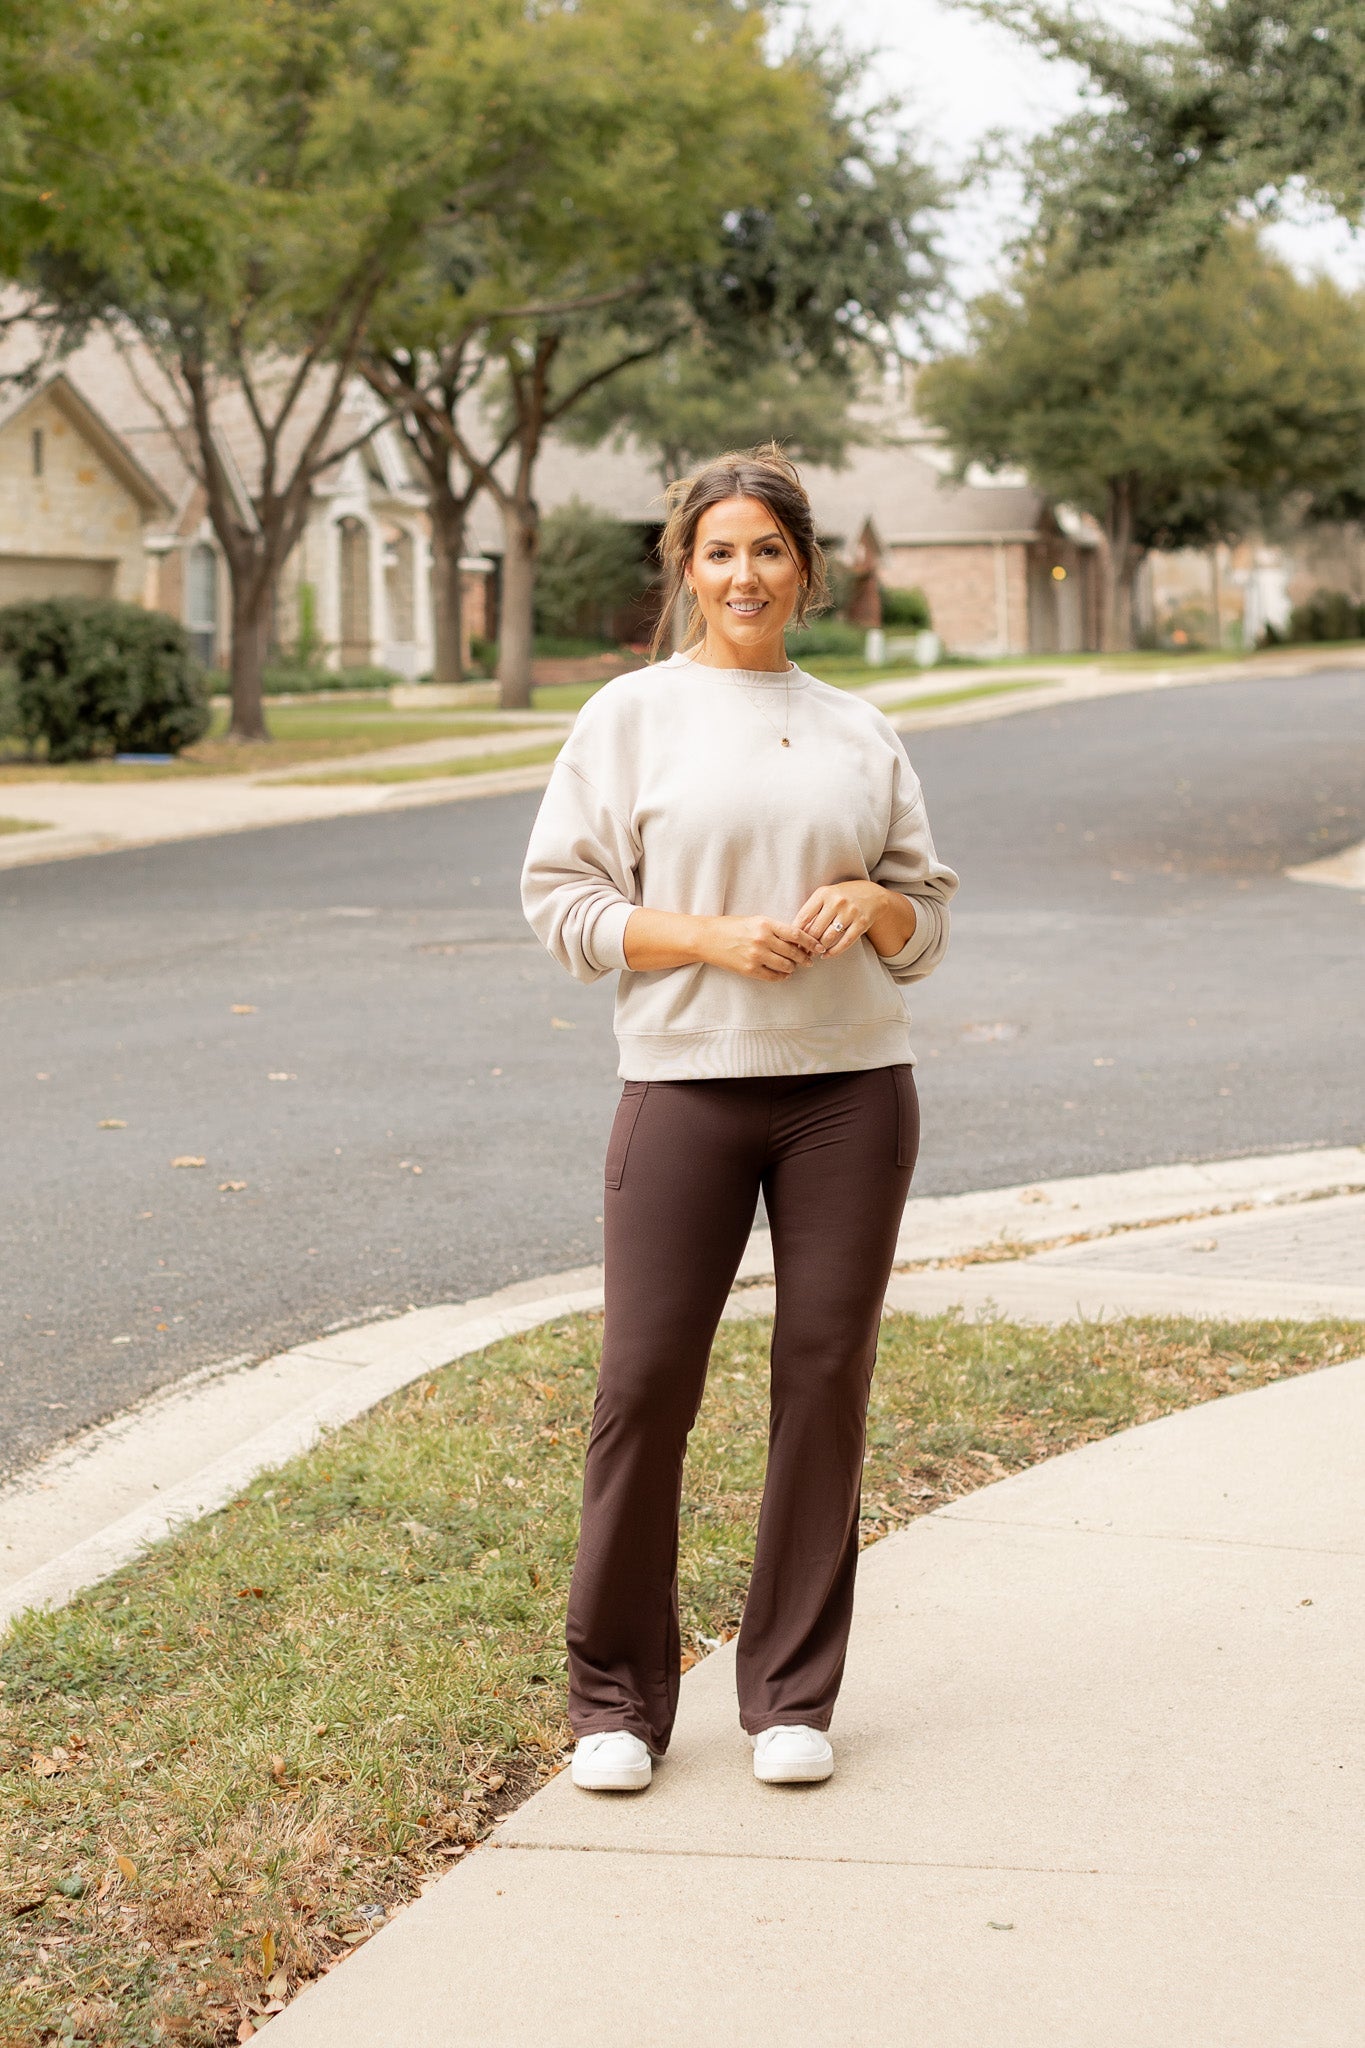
(910, 865)
(579, 879)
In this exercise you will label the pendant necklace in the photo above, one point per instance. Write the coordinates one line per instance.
(786, 716)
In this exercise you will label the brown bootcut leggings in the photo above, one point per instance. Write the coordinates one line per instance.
(833, 1154)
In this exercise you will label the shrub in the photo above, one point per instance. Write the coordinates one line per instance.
(826, 636)
(906, 610)
(96, 677)
(9, 704)
(287, 680)
(1328, 615)
(589, 565)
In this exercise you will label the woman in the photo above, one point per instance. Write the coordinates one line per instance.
(747, 847)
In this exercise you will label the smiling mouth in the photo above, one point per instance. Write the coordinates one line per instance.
(747, 607)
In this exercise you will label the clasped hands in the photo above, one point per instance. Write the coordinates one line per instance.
(830, 921)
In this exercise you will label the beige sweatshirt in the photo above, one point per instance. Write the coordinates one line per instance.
(674, 792)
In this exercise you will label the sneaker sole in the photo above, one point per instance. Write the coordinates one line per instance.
(634, 1779)
(793, 1774)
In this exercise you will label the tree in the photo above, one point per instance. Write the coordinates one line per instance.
(282, 162)
(657, 119)
(779, 241)
(1172, 415)
(1240, 103)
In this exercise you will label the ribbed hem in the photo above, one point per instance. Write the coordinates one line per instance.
(728, 1055)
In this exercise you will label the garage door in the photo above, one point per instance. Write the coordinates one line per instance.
(24, 576)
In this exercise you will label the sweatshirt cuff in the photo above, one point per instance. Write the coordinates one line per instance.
(919, 941)
(606, 946)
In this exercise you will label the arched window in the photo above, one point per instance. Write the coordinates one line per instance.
(356, 641)
(201, 601)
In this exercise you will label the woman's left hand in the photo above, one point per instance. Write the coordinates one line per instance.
(852, 906)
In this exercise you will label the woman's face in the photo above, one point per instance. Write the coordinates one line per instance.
(746, 574)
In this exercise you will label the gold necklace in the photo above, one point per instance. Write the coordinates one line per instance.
(787, 712)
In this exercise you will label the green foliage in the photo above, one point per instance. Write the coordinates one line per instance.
(9, 703)
(590, 565)
(1328, 615)
(286, 680)
(1177, 412)
(906, 610)
(97, 677)
(826, 636)
(1243, 101)
(692, 402)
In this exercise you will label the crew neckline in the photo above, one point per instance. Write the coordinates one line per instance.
(752, 678)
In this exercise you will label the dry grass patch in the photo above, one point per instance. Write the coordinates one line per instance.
(226, 1765)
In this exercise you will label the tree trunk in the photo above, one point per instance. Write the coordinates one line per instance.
(1119, 564)
(516, 622)
(447, 592)
(251, 594)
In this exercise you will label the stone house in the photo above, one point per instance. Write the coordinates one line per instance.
(97, 498)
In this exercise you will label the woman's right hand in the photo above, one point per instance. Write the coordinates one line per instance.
(758, 947)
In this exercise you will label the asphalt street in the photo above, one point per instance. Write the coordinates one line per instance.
(399, 1099)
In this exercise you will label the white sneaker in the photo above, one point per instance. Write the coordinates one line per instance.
(612, 1761)
(792, 1756)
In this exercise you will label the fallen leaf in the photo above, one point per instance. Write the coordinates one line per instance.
(562, 1024)
(231, 1187)
(52, 1766)
(251, 1592)
(246, 2031)
(112, 1123)
(356, 1934)
(188, 1159)
(279, 1771)
(127, 1867)
(268, 1940)
(278, 1987)
(243, 1009)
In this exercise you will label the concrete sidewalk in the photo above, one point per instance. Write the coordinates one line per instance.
(1100, 1778)
(1100, 1782)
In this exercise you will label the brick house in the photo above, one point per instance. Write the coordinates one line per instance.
(1004, 571)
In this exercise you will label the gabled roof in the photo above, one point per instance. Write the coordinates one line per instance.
(108, 444)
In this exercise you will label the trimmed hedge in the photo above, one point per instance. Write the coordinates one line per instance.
(92, 676)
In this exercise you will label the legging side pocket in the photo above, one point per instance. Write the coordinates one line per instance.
(622, 1130)
(907, 1116)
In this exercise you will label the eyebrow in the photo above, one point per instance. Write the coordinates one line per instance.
(721, 541)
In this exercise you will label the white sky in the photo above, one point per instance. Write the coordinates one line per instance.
(964, 79)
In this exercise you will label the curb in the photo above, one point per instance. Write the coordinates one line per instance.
(106, 1480)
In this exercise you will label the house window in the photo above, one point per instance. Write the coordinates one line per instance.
(37, 444)
(201, 601)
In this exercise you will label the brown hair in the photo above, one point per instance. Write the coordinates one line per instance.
(763, 473)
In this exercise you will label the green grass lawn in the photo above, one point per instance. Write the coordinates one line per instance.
(23, 825)
(224, 1764)
(470, 764)
(301, 732)
(935, 700)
